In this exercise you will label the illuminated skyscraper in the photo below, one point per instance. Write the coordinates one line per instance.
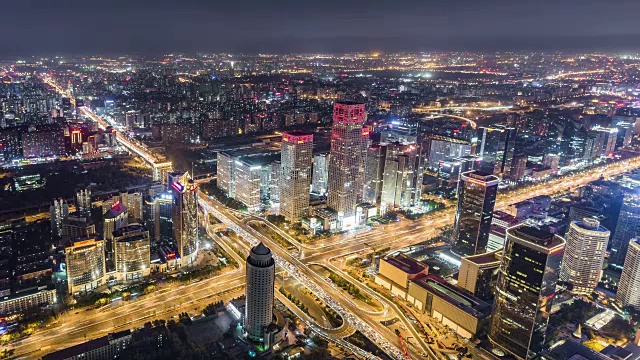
(627, 228)
(629, 286)
(184, 213)
(346, 164)
(261, 272)
(132, 253)
(496, 145)
(83, 201)
(295, 177)
(398, 178)
(476, 199)
(59, 210)
(584, 255)
(85, 265)
(320, 175)
(116, 218)
(526, 285)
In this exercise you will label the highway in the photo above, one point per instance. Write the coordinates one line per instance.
(159, 165)
(94, 323)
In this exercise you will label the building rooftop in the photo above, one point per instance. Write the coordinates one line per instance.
(116, 210)
(486, 258)
(133, 229)
(407, 264)
(454, 295)
(86, 346)
(536, 236)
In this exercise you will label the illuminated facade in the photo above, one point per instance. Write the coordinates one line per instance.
(320, 175)
(346, 164)
(59, 210)
(496, 145)
(83, 201)
(296, 174)
(184, 211)
(526, 285)
(398, 189)
(629, 286)
(85, 265)
(584, 255)
(115, 218)
(132, 253)
(476, 199)
(261, 273)
(627, 228)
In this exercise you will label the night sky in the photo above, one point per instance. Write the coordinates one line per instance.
(45, 27)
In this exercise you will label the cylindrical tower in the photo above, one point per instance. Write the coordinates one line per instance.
(584, 255)
(261, 272)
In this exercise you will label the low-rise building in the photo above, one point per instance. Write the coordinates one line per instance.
(395, 272)
(103, 348)
(479, 273)
(22, 301)
(451, 305)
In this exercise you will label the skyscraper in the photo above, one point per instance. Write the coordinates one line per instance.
(629, 285)
(296, 174)
(476, 198)
(584, 255)
(132, 253)
(320, 174)
(83, 201)
(261, 272)
(526, 285)
(85, 265)
(398, 188)
(346, 165)
(59, 210)
(184, 215)
(627, 228)
(373, 173)
(496, 147)
(116, 217)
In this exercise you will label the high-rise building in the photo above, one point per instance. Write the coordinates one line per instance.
(346, 164)
(184, 217)
(373, 173)
(320, 174)
(261, 272)
(441, 148)
(496, 145)
(274, 184)
(627, 228)
(85, 265)
(476, 199)
(629, 286)
(115, 218)
(398, 178)
(586, 244)
(164, 218)
(479, 274)
(132, 253)
(296, 174)
(59, 210)
(43, 141)
(78, 227)
(133, 202)
(83, 201)
(526, 285)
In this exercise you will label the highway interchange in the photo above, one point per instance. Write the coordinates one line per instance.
(74, 328)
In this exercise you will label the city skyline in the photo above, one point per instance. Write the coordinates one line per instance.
(409, 205)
